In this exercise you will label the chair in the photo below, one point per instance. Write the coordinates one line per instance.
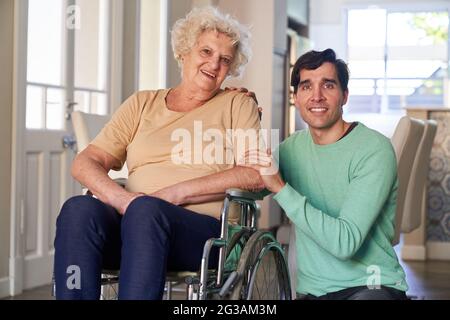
(405, 140)
(415, 195)
(86, 126)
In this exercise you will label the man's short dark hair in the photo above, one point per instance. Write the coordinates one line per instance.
(313, 60)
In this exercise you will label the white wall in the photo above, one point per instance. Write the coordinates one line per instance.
(176, 9)
(267, 21)
(150, 40)
(6, 101)
(130, 55)
(258, 73)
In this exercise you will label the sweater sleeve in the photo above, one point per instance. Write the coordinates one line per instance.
(369, 189)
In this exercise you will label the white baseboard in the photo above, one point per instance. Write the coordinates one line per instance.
(432, 251)
(413, 252)
(16, 276)
(4, 287)
(438, 250)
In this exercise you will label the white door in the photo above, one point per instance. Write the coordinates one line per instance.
(68, 63)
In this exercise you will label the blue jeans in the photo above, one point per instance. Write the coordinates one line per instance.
(151, 237)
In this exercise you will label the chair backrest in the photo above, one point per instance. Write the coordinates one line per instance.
(415, 194)
(86, 127)
(405, 140)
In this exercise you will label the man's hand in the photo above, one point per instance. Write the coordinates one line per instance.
(267, 167)
(248, 93)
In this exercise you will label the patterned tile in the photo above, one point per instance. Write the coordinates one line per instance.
(443, 128)
(438, 166)
(436, 202)
(438, 198)
(446, 145)
(446, 184)
(434, 233)
(445, 223)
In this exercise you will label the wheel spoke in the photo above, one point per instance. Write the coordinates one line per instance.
(265, 269)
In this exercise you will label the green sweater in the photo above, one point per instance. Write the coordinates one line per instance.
(341, 198)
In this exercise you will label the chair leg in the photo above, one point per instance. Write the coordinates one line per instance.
(169, 290)
(53, 286)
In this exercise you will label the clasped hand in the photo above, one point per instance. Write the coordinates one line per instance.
(266, 165)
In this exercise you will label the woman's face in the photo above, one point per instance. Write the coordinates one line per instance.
(207, 65)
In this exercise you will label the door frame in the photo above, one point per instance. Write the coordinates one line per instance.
(17, 227)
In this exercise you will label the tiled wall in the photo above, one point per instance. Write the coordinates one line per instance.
(438, 220)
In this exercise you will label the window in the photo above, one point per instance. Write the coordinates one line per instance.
(396, 59)
(91, 57)
(64, 70)
(44, 67)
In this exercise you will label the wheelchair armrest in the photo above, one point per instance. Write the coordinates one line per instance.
(239, 193)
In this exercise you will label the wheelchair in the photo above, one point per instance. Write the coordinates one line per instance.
(251, 266)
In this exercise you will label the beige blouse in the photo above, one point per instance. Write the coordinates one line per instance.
(163, 147)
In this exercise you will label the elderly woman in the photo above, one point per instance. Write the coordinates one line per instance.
(171, 203)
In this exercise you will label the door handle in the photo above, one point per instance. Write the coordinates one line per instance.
(69, 142)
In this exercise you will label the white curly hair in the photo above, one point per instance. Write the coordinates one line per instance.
(186, 31)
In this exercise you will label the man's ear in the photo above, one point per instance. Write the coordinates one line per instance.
(345, 98)
(294, 95)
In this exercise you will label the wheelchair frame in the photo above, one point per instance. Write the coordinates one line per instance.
(250, 211)
(234, 284)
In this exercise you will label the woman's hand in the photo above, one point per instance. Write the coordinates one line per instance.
(173, 194)
(91, 167)
(122, 202)
(170, 194)
(267, 167)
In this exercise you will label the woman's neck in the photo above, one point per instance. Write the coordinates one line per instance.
(184, 98)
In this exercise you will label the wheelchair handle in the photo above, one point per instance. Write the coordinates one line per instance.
(243, 194)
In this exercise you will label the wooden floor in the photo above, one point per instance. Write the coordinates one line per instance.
(427, 280)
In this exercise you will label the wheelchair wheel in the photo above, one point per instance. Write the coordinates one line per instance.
(238, 241)
(262, 270)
